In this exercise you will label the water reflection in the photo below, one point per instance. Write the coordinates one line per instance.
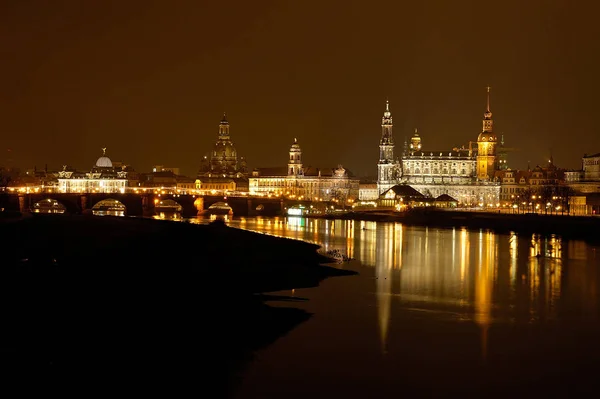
(168, 215)
(458, 275)
(109, 207)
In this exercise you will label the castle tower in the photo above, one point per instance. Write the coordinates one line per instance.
(385, 167)
(295, 162)
(486, 145)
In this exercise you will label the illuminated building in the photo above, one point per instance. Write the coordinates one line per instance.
(388, 168)
(368, 191)
(514, 183)
(585, 185)
(102, 178)
(402, 195)
(587, 179)
(223, 168)
(541, 189)
(304, 182)
(166, 179)
(466, 174)
(216, 184)
(223, 161)
(591, 167)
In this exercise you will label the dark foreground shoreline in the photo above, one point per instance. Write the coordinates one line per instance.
(574, 227)
(141, 305)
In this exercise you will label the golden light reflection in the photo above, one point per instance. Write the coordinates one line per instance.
(383, 276)
(514, 256)
(398, 237)
(464, 259)
(487, 251)
(455, 274)
(350, 238)
(367, 243)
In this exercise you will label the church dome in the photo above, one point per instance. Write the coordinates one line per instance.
(487, 136)
(225, 148)
(104, 161)
(295, 147)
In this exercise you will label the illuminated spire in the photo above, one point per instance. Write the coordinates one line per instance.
(224, 120)
(386, 129)
(104, 152)
(487, 114)
(387, 115)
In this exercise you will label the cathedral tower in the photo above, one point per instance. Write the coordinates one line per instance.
(386, 176)
(295, 162)
(486, 145)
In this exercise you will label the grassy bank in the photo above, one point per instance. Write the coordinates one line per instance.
(143, 305)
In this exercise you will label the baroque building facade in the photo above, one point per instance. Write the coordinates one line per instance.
(464, 174)
(304, 182)
(104, 177)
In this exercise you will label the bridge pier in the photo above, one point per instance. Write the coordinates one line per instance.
(199, 203)
(251, 210)
(23, 203)
(148, 205)
(84, 200)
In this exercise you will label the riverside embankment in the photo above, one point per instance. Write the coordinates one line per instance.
(580, 227)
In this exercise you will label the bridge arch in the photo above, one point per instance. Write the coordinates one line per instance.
(109, 207)
(48, 205)
(219, 208)
(167, 208)
(168, 204)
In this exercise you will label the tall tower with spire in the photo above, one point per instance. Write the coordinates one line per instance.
(486, 145)
(386, 167)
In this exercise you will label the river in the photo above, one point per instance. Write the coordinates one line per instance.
(435, 312)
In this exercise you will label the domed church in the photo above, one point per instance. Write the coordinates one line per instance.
(223, 168)
(223, 161)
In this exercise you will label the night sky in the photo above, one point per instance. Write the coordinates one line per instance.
(150, 80)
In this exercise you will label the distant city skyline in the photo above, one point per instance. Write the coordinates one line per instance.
(150, 82)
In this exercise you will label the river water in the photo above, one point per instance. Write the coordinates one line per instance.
(436, 312)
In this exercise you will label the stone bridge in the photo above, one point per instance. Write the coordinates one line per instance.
(146, 204)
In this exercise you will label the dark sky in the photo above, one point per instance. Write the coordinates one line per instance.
(150, 80)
